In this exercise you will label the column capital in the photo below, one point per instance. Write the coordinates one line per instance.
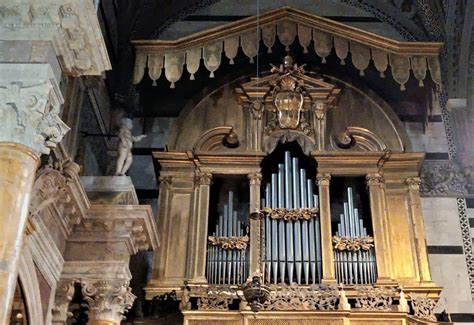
(323, 179)
(64, 295)
(165, 181)
(413, 183)
(203, 179)
(108, 299)
(320, 109)
(255, 178)
(374, 179)
(71, 26)
(30, 103)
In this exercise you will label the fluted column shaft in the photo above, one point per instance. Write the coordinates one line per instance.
(199, 231)
(326, 232)
(375, 182)
(255, 180)
(413, 185)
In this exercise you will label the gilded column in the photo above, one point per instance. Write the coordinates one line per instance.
(413, 185)
(326, 232)
(200, 221)
(255, 226)
(29, 108)
(107, 300)
(375, 182)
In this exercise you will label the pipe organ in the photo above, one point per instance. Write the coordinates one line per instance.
(292, 245)
(354, 254)
(227, 256)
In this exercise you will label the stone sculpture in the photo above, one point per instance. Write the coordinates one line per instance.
(126, 140)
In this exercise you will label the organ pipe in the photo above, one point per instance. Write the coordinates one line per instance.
(227, 265)
(355, 264)
(292, 248)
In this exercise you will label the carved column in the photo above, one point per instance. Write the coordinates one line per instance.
(29, 108)
(255, 226)
(107, 300)
(199, 228)
(326, 232)
(320, 109)
(64, 295)
(375, 182)
(413, 185)
(163, 202)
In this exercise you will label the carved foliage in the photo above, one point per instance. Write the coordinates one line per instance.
(107, 299)
(215, 298)
(294, 297)
(291, 214)
(423, 307)
(30, 117)
(64, 295)
(239, 243)
(352, 243)
(374, 298)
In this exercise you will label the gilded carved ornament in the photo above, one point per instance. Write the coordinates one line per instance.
(423, 307)
(239, 243)
(352, 244)
(413, 183)
(290, 214)
(372, 298)
(375, 179)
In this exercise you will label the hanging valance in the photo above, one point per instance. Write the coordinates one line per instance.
(289, 25)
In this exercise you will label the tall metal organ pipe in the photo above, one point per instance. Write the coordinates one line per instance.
(354, 267)
(227, 266)
(292, 248)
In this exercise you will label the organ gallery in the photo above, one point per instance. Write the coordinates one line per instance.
(251, 163)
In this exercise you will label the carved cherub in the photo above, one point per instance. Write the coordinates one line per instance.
(126, 140)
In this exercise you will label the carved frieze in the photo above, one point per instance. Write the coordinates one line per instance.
(72, 26)
(423, 307)
(352, 243)
(373, 298)
(239, 243)
(291, 214)
(215, 298)
(443, 178)
(294, 297)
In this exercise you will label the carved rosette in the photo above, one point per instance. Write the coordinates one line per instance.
(374, 179)
(352, 244)
(107, 299)
(30, 116)
(413, 183)
(64, 295)
(291, 214)
(239, 243)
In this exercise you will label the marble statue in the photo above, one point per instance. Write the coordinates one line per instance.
(126, 140)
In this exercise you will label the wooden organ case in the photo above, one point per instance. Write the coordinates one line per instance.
(320, 211)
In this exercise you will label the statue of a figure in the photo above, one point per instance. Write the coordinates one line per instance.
(126, 140)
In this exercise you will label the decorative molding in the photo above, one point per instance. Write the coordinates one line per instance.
(352, 244)
(323, 179)
(214, 298)
(72, 26)
(255, 178)
(30, 103)
(443, 178)
(107, 299)
(291, 214)
(213, 139)
(466, 240)
(293, 297)
(358, 139)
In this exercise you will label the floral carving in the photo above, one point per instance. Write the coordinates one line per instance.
(374, 298)
(352, 244)
(215, 298)
(291, 214)
(423, 307)
(443, 179)
(239, 243)
(294, 297)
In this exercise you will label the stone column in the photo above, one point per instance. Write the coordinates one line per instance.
(199, 231)
(255, 224)
(416, 213)
(108, 300)
(375, 182)
(326, 232)
(29, 106)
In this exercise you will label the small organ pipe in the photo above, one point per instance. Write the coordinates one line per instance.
(281, 225)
